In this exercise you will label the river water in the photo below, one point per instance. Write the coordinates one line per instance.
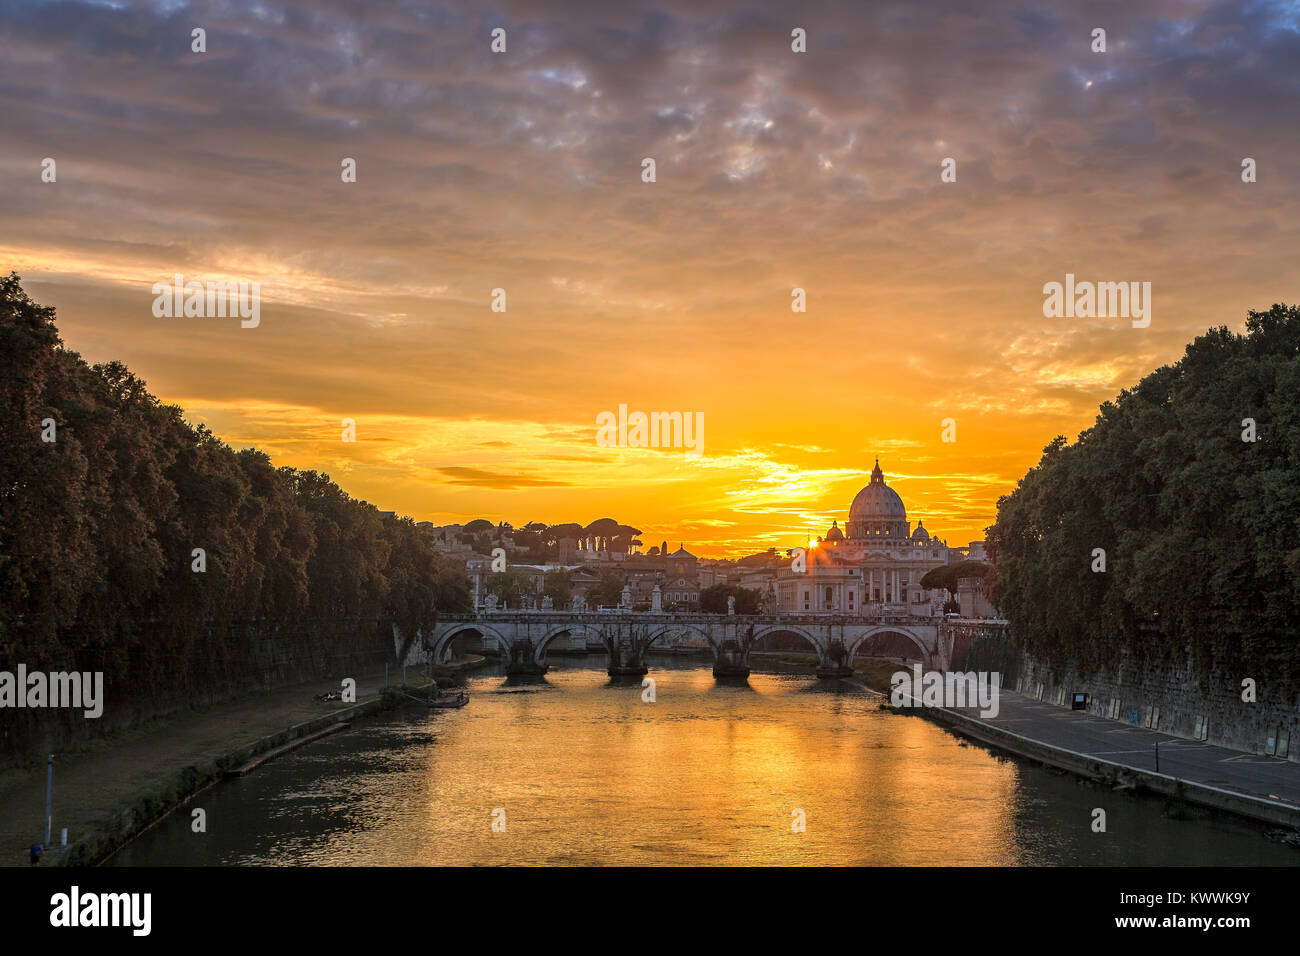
(582, 770)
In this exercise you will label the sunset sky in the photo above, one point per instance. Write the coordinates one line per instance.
(775, 170)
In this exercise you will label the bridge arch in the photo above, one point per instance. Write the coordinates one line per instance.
(539, 652)
(819, 646)
(656, 633)
(443, 641)
(853, 645)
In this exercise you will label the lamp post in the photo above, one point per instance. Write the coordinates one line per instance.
(49, 797)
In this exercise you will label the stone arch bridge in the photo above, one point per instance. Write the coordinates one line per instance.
(524, 636)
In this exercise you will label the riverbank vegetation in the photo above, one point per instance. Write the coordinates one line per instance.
(135, 543)
(1171, 528)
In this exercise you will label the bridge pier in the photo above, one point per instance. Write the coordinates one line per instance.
(836, 662)
(523, 661)
(834, 670)
(627, 667)
(625, 661)
(626, 646)
(628, 670)
(732, 660)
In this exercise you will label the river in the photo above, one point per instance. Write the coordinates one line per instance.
(582, 770)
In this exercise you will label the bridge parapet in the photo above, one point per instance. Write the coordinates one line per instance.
(524, 635)
(601, 617)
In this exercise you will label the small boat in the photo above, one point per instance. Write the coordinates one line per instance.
(447, 702)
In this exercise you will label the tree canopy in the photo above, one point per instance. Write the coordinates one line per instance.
(713, 600)
(1164, 530)
(137, 544)
(608, 591)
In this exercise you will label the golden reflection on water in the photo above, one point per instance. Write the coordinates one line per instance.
(587, 772)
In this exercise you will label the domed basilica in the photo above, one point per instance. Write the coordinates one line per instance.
(873, 569)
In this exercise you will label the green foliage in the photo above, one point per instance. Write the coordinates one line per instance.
(940, 578)
(608, 591)
(97, 530)
(1199, 528)
(510, 587)
(558, 586)
(969, 569)
(713, 600)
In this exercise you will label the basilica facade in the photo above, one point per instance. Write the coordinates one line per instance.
(871, 567)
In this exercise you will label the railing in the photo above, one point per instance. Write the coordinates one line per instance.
(810, 618)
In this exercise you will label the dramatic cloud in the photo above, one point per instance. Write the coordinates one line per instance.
(775, 170)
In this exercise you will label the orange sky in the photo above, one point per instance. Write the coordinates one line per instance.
(775, 170)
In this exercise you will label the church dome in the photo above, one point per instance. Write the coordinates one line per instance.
(920, 534)
(878, 500)
(877, 510)
(835, 534)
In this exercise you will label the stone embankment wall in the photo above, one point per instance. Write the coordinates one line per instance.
(1164, 696)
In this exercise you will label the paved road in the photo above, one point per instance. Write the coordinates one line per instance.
(1112, 740)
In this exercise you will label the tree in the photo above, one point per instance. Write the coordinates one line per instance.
(713, 600)
(969, 569)
(608, 591)
(602, 527)
(625, 539)
(1144, 535)
(558, 586)
(510, 587)
(941, 578)
(139, 545)
(552, 536)
(531, 538)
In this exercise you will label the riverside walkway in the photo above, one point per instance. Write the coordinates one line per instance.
(1097, 739)
(98, 783)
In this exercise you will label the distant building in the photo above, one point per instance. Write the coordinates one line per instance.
(681, 579)
(762, 579)
(873, 569)
(712, 574)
